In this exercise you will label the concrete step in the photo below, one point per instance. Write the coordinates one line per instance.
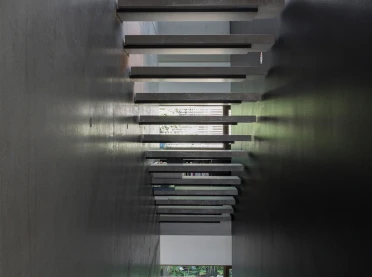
(226, 209)
(194, 138)
(202, 168)
(196, 74)
(197, 44)
(196, 154)
(194, 218)
(195, 98)
(199, 180)
(198, 120)
(198, 10)
(195, 191)
(195, 200)
(168, 175)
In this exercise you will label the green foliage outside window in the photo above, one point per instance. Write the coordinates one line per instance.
(192, 271)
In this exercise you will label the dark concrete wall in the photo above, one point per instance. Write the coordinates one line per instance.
(305, 204)
(73, 193)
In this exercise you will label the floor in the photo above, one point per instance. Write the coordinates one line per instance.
(73, 193)
(304, 206)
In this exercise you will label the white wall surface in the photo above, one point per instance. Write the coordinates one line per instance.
(196, 229)
(195, 87)
(195, 250)
(194, 28)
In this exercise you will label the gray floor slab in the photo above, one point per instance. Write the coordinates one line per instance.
(195, 167)
(198, 10)
(198, 180)
(199, 120)
(195, 98)
(196, 191)
(198, 44)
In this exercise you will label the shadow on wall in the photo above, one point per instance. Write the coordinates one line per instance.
(307, 211)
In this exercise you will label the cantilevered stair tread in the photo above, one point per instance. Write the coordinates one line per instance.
(193, 218)
(195, 167)
(195, 98)
(195, 200)
(198, 180)
(194, 138)
(168, 175)
(197, 154)
(196, 191)
(198, 10)
(198, 44)
(196, 74)
(225, 209)
(199, 120)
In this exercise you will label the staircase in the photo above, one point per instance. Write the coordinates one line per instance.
(182, 198)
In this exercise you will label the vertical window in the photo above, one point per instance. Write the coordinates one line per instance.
(195, 271)
(211, 110)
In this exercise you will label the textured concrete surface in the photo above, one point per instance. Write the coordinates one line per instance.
(73, 199)
(305, 201)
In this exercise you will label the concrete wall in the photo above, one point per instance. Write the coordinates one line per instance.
(74, 199)
(305, 201)
(195, 250)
